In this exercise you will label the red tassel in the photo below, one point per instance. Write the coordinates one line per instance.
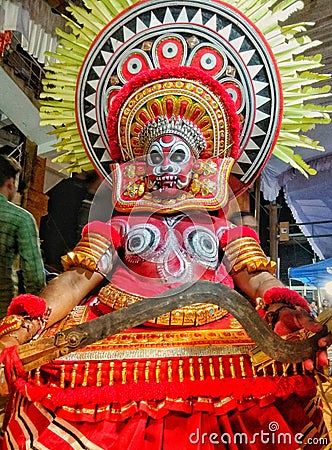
(239, 389)
(285, 295)
(13, 365)
(27, 304)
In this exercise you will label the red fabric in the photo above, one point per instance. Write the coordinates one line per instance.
(27, 304)
(237, 233)
(237, 388)
(104, 229)
(12, 364)
(253, 427)
(285, 295)
(160, 74)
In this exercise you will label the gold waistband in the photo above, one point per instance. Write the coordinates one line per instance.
(188, 316)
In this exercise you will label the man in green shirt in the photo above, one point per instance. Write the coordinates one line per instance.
(18, 239)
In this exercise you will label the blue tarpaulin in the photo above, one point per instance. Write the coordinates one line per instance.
(317, 274)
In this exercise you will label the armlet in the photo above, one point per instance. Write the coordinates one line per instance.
(87, 252)
(246, 253)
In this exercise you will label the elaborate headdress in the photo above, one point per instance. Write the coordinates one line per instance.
(199, 70)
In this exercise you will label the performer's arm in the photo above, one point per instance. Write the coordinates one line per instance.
(62, 294)
(255, 284)
(85, 268)
(66, 291)
(285, 310)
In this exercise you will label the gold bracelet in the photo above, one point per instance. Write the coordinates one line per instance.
(10, 323)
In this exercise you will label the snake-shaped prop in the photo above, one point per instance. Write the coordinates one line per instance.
(37, 353)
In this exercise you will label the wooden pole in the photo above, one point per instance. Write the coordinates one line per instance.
(273, 208)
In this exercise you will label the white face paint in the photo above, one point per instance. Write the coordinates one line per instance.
(170, 162)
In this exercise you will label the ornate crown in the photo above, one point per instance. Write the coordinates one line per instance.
(179, 126)
(185, 101)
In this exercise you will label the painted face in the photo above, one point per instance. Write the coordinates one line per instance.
(169, 164)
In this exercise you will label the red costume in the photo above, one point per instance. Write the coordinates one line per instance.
(183, 91)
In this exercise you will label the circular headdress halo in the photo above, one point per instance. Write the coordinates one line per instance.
(215, 37)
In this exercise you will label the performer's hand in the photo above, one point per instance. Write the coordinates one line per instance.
(291, 320)
(294, 319)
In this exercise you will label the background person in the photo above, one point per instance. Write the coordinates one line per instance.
(18, 238)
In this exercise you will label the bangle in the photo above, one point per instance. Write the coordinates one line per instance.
(10, 323)
(25, 311)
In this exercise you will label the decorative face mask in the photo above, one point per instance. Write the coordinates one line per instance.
(169, 166)
(175, 142)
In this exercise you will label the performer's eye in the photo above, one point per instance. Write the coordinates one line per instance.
(178, 156)
(180, 153)
(155, 157)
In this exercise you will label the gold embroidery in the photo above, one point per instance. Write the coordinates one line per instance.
(243, 370)
(38, 377)
(161, 370)
(193, 315)
(136, 372)
(86, 374)
(181, 370)
(158, 371)
(99, 374)
(191, 369)
(223, 402)
(201, 369)
(221, 367)
(111, 374)
(147, 371)
(62, 376)
(231, 365)
(73, 376)
(124, 372)
(169, 371)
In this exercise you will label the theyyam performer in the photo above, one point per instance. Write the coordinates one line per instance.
(178, 106)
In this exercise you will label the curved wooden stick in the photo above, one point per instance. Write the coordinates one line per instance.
(41, 351)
